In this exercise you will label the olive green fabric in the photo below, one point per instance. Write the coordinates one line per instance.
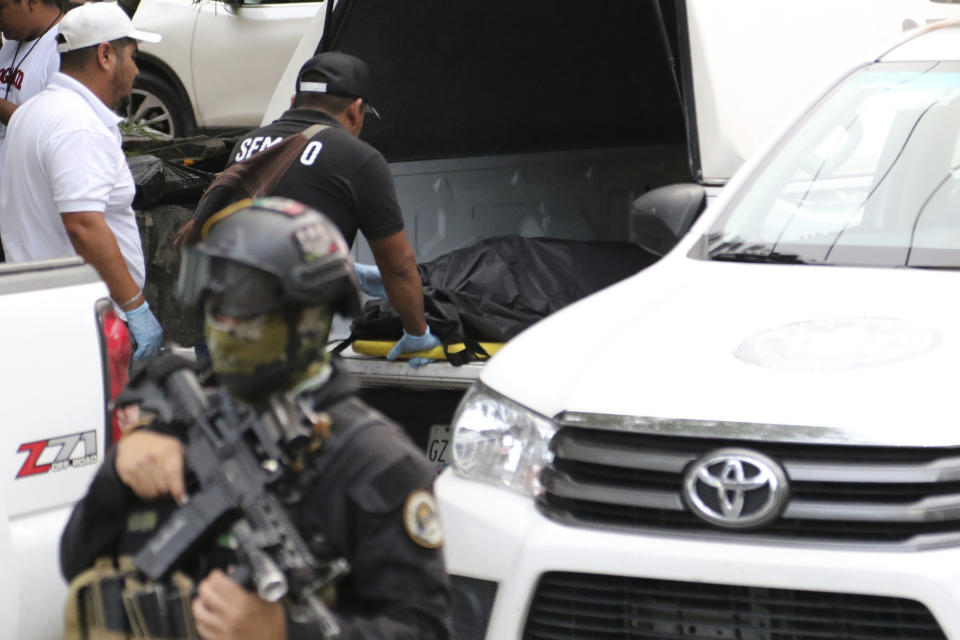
(257, 356)
(83, 610)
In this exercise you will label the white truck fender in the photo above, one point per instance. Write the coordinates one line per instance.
(10, 585)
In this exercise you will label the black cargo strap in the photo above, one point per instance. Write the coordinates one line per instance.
(471, 351)
(346, 342)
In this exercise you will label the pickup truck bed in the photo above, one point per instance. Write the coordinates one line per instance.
(447, 204)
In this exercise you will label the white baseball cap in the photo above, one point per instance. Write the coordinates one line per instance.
(96, 22)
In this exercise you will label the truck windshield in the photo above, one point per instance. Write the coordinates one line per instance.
(870, 177)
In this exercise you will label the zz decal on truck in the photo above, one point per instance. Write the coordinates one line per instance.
(65, 451)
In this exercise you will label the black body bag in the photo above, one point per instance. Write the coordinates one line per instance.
(493, 290)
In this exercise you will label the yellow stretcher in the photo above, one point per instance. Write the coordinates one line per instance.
(382, 348)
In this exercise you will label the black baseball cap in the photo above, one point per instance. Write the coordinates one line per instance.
(347, 76)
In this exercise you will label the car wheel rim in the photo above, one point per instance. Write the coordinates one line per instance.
(148, 111)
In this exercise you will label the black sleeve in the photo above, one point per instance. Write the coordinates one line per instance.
(396, 588)
(97, 521)
(378, 212)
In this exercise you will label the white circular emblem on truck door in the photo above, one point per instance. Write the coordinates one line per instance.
(735, 488)
(837, 344)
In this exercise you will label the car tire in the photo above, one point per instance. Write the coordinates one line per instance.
(155, 104)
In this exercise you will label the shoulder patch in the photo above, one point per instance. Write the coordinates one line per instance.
(421, 520)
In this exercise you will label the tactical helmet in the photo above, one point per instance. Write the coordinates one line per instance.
(269, 274)
(257, 255)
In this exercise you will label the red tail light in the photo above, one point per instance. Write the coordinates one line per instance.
(116, 351)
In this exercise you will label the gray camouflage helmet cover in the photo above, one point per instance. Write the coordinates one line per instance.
(257, 255)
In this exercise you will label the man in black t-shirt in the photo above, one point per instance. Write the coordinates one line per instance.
(348, 180)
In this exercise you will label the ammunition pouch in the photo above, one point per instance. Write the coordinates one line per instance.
(111, 603)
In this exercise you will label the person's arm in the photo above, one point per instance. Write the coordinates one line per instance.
(95, 243)
(380, 220)
(144, 464)
(396, 588)
(6, 110)
(97, 521)
(401, 280)
(405, 587)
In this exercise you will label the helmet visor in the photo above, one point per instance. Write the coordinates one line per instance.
(232, 289)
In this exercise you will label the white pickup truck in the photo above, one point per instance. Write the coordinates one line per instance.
(542, 117)
(759, 437)
(62, 347)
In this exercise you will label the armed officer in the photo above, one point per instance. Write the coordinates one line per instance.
(269, 275)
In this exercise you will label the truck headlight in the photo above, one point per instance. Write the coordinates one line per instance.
(500, 441)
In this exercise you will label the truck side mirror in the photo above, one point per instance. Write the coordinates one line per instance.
(660, 217)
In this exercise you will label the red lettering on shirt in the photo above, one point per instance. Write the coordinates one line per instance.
(12, 76)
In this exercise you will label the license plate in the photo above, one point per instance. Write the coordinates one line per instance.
(438, 446)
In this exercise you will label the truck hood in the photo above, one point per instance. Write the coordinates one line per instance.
(867, 354)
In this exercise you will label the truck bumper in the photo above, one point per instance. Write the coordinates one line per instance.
(497, 536)
(379, 372)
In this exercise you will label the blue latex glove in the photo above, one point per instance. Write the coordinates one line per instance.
(370, 280)
(409, 343)
(146, 331)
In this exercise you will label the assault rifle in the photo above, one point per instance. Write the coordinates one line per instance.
(236, 458)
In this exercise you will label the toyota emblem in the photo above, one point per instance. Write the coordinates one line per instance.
(735, 488)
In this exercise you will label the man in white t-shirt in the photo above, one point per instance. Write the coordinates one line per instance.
(29, 54)
(70, 191)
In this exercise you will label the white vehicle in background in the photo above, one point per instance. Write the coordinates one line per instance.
(218, 63)
(756, 437)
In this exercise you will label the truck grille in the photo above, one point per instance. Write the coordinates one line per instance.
(837, 493)
(572, 605)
